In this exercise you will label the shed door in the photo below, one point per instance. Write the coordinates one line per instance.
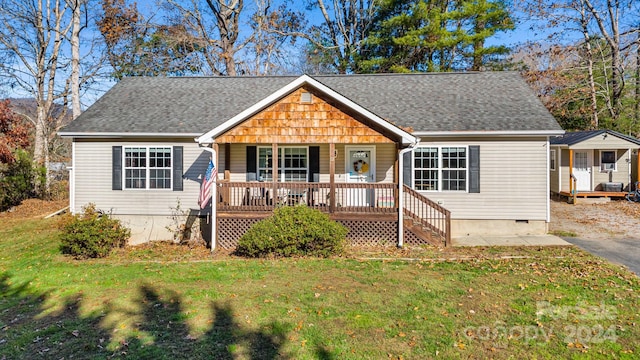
(582, 169)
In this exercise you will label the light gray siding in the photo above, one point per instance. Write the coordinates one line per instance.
(93, 179)
(620, 175)
(624, 167)
(607, 142)
(513, 181)
(554, 174)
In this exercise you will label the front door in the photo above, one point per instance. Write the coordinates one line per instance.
(582, 160)
(360, 168)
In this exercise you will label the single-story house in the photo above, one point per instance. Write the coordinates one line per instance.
(591, 163)
(397, 158)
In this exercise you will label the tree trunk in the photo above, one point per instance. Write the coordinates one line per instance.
(75, 59)
(637, 109)
(584, 22)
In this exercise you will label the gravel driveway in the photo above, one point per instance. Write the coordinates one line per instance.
(610, 230)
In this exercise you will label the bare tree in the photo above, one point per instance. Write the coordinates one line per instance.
(216, 23)
(268, 48)
(32, 36)
(598, 22)
(40, 45)
(75, 5)
(341, 35)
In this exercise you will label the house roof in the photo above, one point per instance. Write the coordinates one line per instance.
(575, 137)
(305, 80)
(427, 103)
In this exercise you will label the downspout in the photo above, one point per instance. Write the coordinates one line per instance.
(401, 190)
(548, 215)
(214, 205)
(72, 179)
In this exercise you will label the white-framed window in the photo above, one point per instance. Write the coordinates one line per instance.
(147, 167)
(265, 164)
(440, 168)
(552, 160)
(293, 164)
(608, 160)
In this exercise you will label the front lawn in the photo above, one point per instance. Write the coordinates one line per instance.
(543, 303)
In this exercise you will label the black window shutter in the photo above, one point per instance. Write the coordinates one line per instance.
(177, 168)
(406, 171)
(314, 163)
(474, 169)
(252, 166)
(116, 168)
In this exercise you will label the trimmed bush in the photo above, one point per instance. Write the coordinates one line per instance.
(293, 231)
(92, 234)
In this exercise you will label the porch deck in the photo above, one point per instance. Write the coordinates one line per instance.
(591, 194)
(369, 210)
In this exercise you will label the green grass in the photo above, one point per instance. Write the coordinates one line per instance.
(563, 233)
(480, 305)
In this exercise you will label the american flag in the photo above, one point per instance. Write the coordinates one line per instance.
(207, 183)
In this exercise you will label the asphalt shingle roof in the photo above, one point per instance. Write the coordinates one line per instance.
(436, 102)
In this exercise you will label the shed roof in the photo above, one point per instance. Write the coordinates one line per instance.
(432, 102)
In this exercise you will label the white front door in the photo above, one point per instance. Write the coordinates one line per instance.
(360, 168)
(582, 160)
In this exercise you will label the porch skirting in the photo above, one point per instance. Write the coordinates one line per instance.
(361, 232)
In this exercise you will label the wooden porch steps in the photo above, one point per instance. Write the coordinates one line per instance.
(423, 232)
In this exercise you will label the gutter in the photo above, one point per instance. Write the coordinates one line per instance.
(120, 135)
(490, 133)
(401, 190)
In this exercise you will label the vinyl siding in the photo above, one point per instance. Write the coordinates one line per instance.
(621, 175)
(513, 183)
(606, 143)
(554, 175)
(93, 180)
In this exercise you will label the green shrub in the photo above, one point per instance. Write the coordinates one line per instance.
(293, 231)
(19, 180)
(92, 234)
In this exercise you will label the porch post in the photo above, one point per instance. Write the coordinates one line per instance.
(570, 171)
(638, 168)
(332, 174)
(274, 173)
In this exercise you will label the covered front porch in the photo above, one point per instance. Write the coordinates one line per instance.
(370, 211)
(307, 145)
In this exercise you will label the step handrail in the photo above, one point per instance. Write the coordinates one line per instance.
(428, 213)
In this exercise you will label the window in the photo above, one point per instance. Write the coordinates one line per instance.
(147, 167)
(552, 160)
(292, 164)
(440, 168)
(608, 160)
(265, 164)
(426, 168)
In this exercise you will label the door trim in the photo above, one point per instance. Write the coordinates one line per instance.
(372, 165)
(588, 185)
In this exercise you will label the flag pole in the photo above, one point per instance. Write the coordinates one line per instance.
(214, 191)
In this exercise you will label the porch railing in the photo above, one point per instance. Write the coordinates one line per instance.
(429, 214)
(373, 198)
